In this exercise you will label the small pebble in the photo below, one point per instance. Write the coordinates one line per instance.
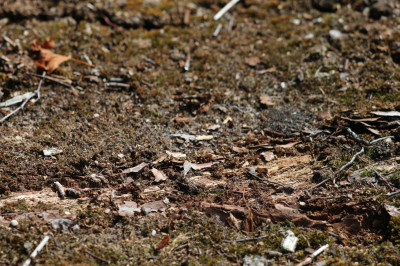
(335, 34)
(14, 223)
(153, 233)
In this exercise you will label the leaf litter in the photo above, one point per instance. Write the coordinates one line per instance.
(126, 112)
(46, 60)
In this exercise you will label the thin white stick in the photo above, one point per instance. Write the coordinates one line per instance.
(37, 250)
(225, 9)
(217, 30)
(37, 94)
(312, 256)
(351, 161)
(383, 138)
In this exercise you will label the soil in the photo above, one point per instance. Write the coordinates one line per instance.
(231, 132)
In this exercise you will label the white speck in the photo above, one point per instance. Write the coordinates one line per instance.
(296, 21)
(96, 115)
(283, 85)
(309, 36)
(153, 233)
(335, 34)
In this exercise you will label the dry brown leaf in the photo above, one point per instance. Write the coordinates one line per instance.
(240, 149)
(46, 59)
(135, 169)
(188, 165)
(289, 145)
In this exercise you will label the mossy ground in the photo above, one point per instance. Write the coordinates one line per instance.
(315, 83)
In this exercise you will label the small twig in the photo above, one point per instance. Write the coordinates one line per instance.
(225, 9)
(289, 189)
(230, 25)
(117, 84)
(37, 94)
(245, 239)
(96, 257)
(357, 138)
(351, 161)
(37, 250)
(310, 258)
(181, 247)
(40, 85)
(393, 193)
(18, 213)
(319, 184)
(51, 79)
(384, 180)
(383, 138)
(217, 30)
(340, 170)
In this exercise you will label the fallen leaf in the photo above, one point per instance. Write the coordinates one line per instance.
(268, 156)
(252, 61)
(373, 131)
(129, 208)
(45, 59)
(389, 113)
(135, 169)
(240, 150)
(159, 175)
(392, 211)
(188, 165)
(289, 145)
(176, 155)
(266, 100)
(368, 119)
(17, 99)
(154, 206)
(186, 137)
(160, 159)
(163, 242)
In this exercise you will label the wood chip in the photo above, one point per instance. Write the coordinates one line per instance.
(135, 169)
(240, 149)
(159, 175)
(266, 100)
